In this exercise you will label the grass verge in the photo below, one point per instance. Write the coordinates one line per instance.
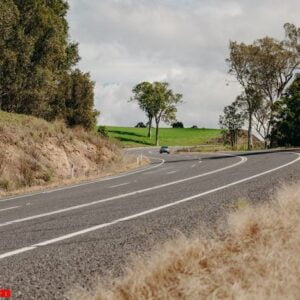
(257, 258)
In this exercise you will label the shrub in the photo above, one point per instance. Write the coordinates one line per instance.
(140, 125)
(178, 125)
(102, 130)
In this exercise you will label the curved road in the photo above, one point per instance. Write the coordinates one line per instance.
(54, 240)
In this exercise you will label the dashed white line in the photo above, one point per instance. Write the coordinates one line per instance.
(243, 160)
(118, 185)
(172, 172)
(143, 213)
(9, 208)
(87, 183)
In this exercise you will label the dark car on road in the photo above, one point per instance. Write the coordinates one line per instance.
(164, 149)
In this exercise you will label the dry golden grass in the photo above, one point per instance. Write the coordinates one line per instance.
(258, 258)
(36, 153)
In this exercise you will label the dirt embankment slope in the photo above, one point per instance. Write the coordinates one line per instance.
(36, 153)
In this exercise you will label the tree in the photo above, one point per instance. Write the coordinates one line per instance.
(37, 59)
(80, 103)
(250, 101)
(143, 94)
(267, 66)
(232, 121)
(165, 105)
(158, 101)
(177, 125)
(286, 125)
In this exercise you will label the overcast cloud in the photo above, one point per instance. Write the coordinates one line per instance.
(183, 42)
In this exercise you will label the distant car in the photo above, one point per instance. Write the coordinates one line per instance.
(164, 149)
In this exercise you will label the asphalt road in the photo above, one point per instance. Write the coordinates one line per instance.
(52, 241)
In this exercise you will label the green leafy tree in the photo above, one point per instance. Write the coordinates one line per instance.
(143, 95)
(80, 103)
(250, 102)
(158, 101)
(286, 125)
(232, 121)
(37, 61)
(266, 66)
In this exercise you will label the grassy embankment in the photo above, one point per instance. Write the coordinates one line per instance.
(137, 137)
(37, 153)
(258, 258)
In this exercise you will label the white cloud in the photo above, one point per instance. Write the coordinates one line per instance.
(184, 42)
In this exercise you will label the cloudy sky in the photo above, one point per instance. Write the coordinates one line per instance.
(183, 42)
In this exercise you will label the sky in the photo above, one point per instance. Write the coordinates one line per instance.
(183, 42)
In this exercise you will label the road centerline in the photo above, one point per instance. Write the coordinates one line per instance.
(121, 196)
(143, 213)
(119, 185)
(108, 178)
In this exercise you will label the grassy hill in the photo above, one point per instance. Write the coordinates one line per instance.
(135, 137)
(37, 153)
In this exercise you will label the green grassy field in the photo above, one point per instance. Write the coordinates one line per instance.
(135, 137)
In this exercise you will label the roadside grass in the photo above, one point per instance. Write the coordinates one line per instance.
(137, 137)
(36, 154)
(257, 258)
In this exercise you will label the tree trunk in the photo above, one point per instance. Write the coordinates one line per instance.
(250, 138)
(149, 127)
(156, 134)
(268, 140)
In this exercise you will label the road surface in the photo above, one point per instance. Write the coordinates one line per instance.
(53, 240)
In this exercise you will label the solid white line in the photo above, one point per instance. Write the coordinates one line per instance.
(9, 208)
(122, 184)
(146, 212)
(243, 160)
(87, 183)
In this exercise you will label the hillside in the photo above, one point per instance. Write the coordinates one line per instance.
(38, 153)
(135, 137)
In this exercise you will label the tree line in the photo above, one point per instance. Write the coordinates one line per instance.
(38, 74)
(267, 72)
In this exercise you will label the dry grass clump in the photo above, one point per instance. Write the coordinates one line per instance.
(36, 153)
(258, 258)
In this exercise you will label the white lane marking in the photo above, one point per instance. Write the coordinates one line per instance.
(87, 183)
(172, 172)
(9, 208)
(194, 165)
(117, 185)
(243, 160)
(143, 213)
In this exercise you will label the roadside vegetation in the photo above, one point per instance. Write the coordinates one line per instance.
(256, 258)
(36, 153)
(138, 137)
(265, 70)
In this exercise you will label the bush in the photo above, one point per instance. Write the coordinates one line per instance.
(140, 125)
(178, 125)
(102, 130)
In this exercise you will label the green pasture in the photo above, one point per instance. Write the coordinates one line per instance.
(135, 137)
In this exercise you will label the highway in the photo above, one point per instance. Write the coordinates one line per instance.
(53, 240)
